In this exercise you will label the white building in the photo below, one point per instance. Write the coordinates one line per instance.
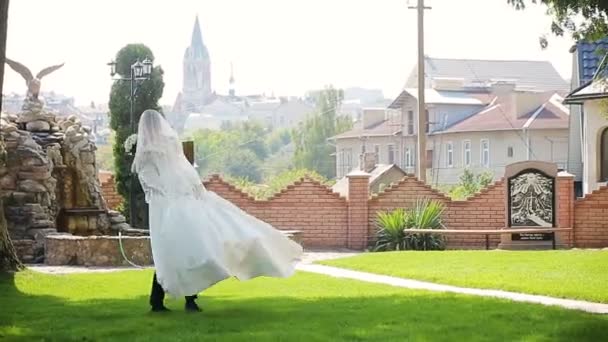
(591, 100)
(476, 120)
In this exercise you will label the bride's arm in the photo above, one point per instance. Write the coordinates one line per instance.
(149, 178)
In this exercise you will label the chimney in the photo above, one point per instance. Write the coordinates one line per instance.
(520, 102)
(528, 101)
(373, 116)
(503, 88)
(368, 161)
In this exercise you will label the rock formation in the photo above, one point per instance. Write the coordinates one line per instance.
(50, 184)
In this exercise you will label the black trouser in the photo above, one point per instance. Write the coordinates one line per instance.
(157, 296)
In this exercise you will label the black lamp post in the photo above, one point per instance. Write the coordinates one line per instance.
(140, 71)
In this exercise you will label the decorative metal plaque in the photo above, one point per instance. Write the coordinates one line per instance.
(531, 200)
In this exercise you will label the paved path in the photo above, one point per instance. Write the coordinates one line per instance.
(308, 258)
(422, 285)
(307, 265)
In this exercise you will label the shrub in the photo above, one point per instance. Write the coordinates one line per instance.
(275, 184)
(470, 184)
(426, 214)
(390, 235)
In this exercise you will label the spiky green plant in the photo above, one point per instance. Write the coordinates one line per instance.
(426, 214)
(390, 235)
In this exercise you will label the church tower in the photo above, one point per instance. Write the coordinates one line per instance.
(231, 90)
(196, 90)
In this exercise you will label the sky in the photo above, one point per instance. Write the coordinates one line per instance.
(285, 47)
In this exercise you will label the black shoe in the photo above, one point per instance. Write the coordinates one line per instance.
(191, 306)
(160, 308)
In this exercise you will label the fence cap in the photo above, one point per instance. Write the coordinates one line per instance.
(358, 174)
(565, 174)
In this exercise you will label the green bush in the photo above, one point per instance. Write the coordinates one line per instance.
(390, 235)
(470, 184)
(426, 214)
(276, 183)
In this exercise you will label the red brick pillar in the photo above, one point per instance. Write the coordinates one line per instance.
(565, 206)
(358, 197)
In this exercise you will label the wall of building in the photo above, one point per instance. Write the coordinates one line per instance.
(545, 145)
(354, 146)
(594, 124)
(575, 157)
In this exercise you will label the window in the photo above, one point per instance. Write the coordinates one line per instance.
(449, 154)
(510, 152)
(391, 154)
(345, 161)
(604, 156)
(427, 126)
(408, 158)
(466, 153)
(349, 160)
(363, 148)
(485, 153)
(410, 122)
(377, 152)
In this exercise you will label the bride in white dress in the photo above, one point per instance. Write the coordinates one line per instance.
(197, 237)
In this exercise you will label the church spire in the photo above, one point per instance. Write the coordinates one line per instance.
(231, 89)
(198, 47)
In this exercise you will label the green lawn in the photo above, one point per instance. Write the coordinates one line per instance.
(574, 274)
(306, 307)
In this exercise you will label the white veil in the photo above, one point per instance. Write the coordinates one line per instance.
(160, 162)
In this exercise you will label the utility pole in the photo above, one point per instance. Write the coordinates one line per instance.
(422, 117)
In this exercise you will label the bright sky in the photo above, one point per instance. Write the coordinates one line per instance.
(285, 46)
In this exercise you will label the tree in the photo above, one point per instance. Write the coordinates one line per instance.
(278, 139)
(146, 97)
(236, 150)
(244, 164)
(470, 184)
(8, 258)
(583, 19)
(313, 152)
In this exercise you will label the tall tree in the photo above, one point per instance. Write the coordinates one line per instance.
(147, 96)
(583, 19)
(8, 257)
(313, 151)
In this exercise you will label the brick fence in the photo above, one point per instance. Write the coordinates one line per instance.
(328, 220)
(108, 190)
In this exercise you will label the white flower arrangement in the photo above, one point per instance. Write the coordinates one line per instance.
(130, 143)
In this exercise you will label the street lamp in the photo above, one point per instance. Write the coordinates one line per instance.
(140, 71)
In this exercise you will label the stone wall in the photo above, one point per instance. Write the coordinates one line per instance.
(97, 250)
(65, 249)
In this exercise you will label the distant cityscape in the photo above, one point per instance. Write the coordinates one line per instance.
(197, 106)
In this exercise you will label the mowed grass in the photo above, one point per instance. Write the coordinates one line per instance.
(577, 274)
(306, 307)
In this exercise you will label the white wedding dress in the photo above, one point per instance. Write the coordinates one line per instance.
(198, 238)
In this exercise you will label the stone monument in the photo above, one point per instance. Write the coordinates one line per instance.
(49, 183)
(531, 203)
